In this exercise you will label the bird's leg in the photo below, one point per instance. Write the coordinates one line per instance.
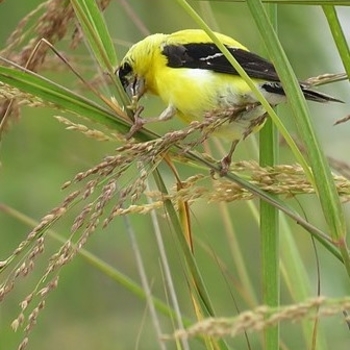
(139, 122)
(167, 114)
(226, 161)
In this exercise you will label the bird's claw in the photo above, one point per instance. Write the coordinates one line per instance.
(138, 124)
(225, 165)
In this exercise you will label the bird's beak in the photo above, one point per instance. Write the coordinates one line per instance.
(136, 88)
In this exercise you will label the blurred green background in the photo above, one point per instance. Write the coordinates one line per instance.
(88, 310)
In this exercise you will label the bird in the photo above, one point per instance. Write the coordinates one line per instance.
(195, 80)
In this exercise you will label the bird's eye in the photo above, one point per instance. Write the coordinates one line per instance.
(123, 73)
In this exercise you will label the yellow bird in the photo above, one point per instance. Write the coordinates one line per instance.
(194, 79)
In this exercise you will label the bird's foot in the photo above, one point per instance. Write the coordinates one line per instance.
(225, 165)
(138, 124)
(227, 160)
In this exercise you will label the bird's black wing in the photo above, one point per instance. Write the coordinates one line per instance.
(208, 56)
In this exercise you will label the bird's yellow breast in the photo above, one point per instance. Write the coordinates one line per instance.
(197, 92)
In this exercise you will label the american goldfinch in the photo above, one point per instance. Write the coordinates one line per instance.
(194, 79)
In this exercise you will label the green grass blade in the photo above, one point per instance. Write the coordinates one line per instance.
(96, 33)
(338, 36)
(185, 248)
(297, 280)
(62, 97)
(269, 223)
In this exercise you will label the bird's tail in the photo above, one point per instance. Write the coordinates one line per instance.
(316, 96)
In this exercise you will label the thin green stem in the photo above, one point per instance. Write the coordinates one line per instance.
(269, 223)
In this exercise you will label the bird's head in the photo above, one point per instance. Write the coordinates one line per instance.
(137, 69)
(133, 84)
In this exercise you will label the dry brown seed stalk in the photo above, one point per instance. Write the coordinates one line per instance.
(263, 317)
(91, 133)
(52, 25)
